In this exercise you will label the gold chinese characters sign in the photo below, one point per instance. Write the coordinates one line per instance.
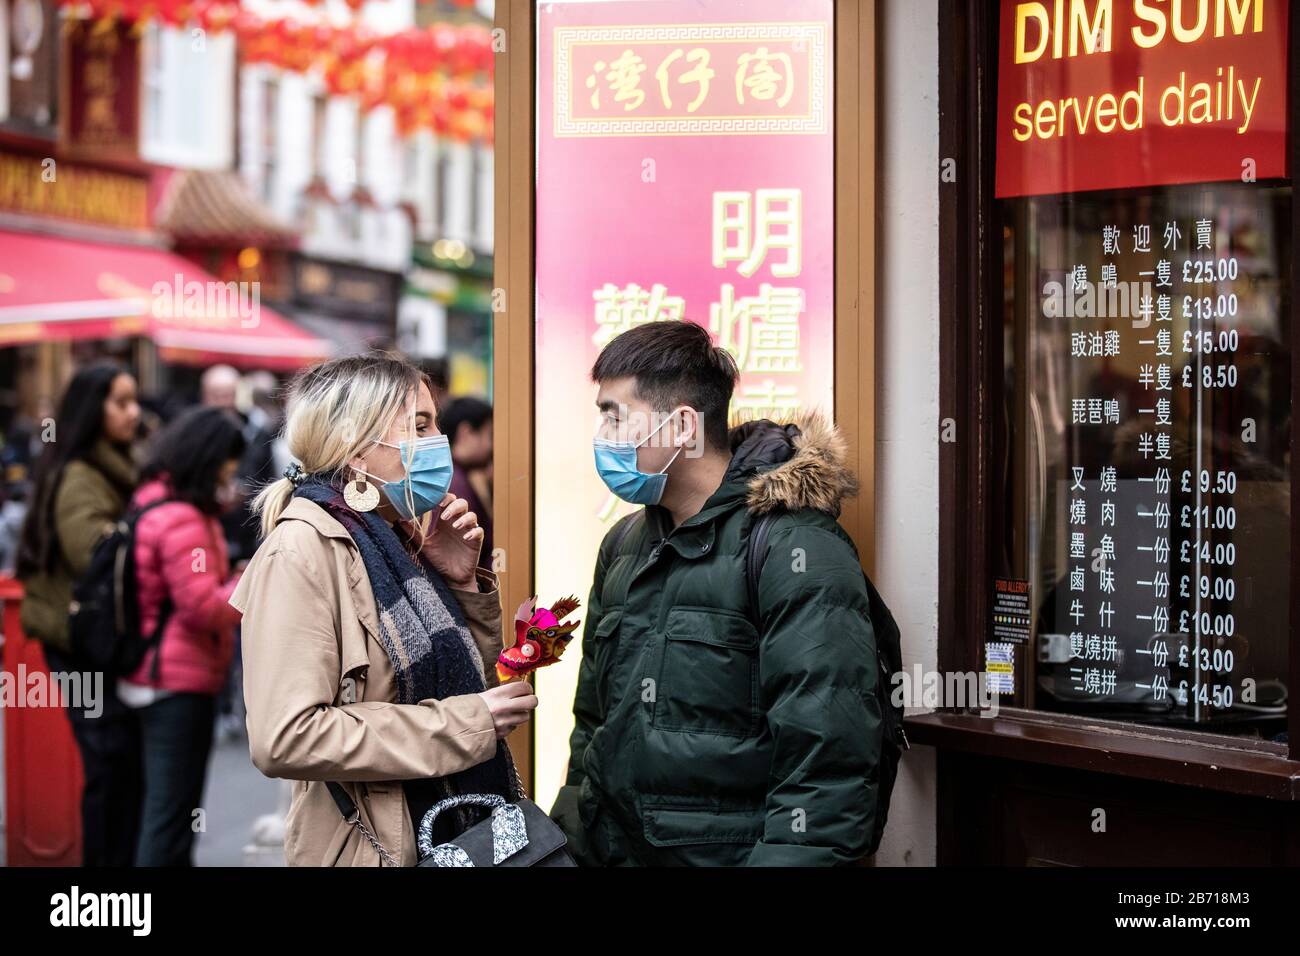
(100, 113)
(40, 186)
(684, 80)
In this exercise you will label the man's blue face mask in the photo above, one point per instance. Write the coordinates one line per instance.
(616, 464)
(428, 476)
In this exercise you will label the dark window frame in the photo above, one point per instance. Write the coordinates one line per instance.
(971, 502)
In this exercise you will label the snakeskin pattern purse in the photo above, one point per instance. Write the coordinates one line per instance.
(517, 833)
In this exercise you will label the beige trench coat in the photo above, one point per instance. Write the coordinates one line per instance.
(320, 693)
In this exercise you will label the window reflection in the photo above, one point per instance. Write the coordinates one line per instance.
(1149, 415)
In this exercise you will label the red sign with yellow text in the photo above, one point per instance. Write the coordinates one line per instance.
(1111, 94)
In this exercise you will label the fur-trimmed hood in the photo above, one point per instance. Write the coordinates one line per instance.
(801, 464)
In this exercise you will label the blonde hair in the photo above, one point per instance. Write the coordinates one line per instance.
(336, 410)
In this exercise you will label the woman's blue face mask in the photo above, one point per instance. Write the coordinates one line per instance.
(616, 464)
(428, 476)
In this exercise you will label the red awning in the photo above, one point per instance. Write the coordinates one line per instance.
(54, 288)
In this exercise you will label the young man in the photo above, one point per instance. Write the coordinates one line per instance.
(710, 732)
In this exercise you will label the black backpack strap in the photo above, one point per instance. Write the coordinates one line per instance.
(165, 608)
(155, 639)
(134, 516)
(625, 527)
(755, 556)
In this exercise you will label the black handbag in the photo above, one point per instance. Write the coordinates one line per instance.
(518, 833)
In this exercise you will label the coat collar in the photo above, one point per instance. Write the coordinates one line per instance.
(306, 510)
(114, 463)
(694, 537)
(801, 464)
(303, 509)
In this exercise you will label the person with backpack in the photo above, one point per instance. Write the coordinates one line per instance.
(80, 488)
(712, 728)
(183, 586)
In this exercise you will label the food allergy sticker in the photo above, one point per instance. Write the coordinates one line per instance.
(999, 665)
(1011, 610)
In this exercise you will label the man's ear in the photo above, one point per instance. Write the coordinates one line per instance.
(692, 427)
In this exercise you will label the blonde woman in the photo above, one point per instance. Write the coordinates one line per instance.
(369, 634)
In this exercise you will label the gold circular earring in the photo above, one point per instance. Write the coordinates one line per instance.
(361, 495)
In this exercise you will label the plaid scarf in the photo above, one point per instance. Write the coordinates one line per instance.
(422, 631)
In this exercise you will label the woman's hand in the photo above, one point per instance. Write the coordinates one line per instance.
(453, 543)
(510, 705)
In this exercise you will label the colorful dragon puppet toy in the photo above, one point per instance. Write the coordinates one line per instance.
(541, 634)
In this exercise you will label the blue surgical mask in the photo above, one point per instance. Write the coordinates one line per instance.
(428, 476)
(617, 465)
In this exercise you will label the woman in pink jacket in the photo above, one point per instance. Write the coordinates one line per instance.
(184, 583)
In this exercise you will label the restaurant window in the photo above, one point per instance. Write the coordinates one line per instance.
(270, 120)
(187, 114)
(1151, 464)
(1146, 303)
(29, 89)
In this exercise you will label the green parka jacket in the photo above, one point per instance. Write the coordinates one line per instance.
(712, 733)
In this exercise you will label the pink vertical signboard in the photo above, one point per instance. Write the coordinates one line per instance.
(685, 159)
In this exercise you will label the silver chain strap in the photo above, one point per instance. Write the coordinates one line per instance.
(520, 792)
(388, 857)
(374, 841)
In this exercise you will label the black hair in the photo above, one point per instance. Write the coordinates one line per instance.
(191, 449)
(463, 411)
(80, 424)
(674, 363)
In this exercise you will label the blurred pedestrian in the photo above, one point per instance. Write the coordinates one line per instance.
(80, 488)
(220, 387)
(467, 423)
(183, 572)
(267, 416)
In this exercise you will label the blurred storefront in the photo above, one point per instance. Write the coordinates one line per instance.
(445, 316)
(85, 269)
(446, 313)
(167, 172)
(354, 306)
(213, 219)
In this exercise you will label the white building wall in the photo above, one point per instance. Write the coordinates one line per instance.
(187, 87)
(252, 93)
(354, 149)
(907, 376)
(4, 61)
(293, 142)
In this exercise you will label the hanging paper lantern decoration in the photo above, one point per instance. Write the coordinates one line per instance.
(437, 77)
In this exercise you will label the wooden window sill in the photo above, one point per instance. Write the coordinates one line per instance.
(1249, 768)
